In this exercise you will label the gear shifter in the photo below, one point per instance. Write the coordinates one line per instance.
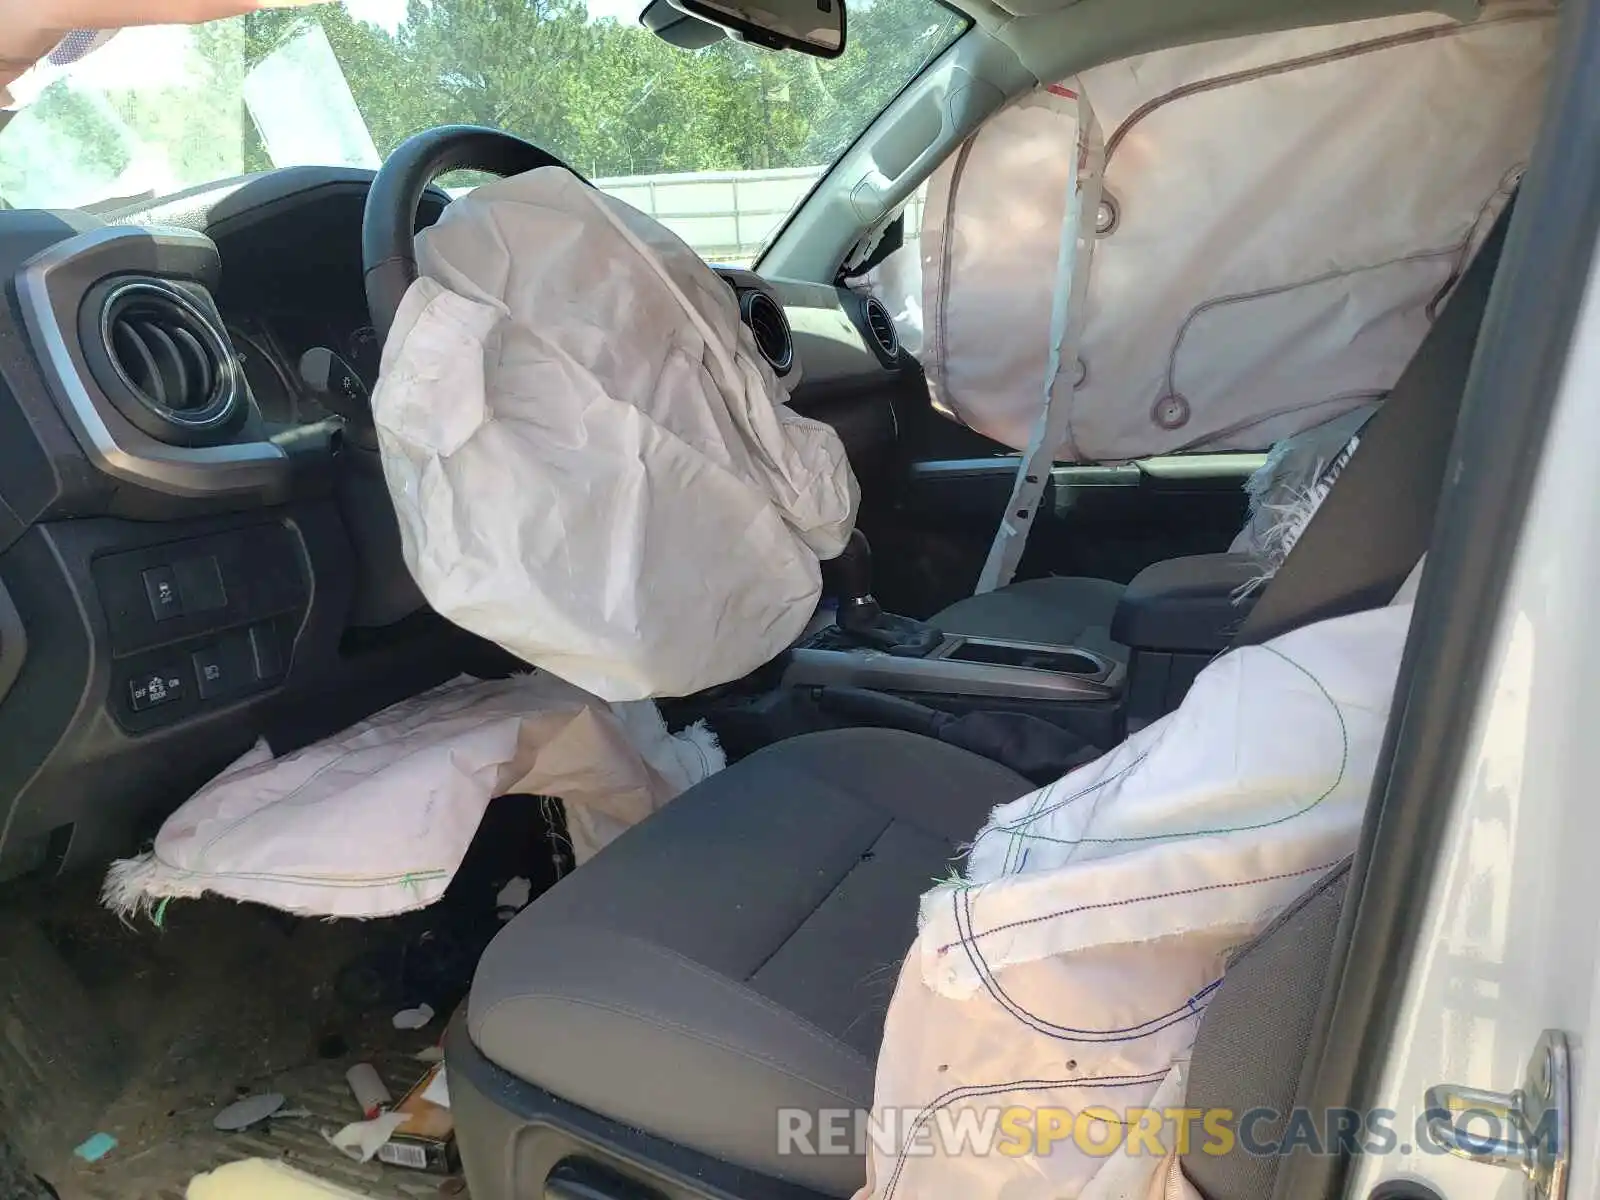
(861, 620)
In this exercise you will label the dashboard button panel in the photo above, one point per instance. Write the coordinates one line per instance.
(200, 584)
(161, 590)
(200, 623)
(154, 688)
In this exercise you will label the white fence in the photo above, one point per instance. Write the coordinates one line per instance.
(727, 216)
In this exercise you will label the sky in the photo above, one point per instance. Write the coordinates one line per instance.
(389, 13)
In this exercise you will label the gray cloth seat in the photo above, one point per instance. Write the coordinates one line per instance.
(735, 954)
(1059, 611)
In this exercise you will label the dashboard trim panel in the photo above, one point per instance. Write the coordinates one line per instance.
(113, 445)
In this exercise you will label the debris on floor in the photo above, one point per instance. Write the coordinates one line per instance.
(234, 1002)
(367, 1086)
(96, 1147)
(252, 1110)
(513, 897)
(413, 1018)
(362, 1140)
(426, 1140)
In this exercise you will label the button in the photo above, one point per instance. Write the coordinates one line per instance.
(267, 659)
(155, 688)
(161, 588)
(200, 584)
(210, 666)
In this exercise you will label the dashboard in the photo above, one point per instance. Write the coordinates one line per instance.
(196, 544)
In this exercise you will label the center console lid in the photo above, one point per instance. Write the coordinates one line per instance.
(1175, 617)
(1194, 604)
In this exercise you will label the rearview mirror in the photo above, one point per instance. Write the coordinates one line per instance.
(809, 26)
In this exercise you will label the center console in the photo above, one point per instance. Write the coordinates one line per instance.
(868, 648)
(1175, 617)
(958, 666)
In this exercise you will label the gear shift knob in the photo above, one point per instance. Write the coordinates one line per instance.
(850, 575)
(860, 618)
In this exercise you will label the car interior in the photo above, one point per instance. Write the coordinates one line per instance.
(197, 550)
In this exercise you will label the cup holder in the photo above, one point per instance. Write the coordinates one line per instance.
(1060, 659)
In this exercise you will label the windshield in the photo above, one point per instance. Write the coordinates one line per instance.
(719, 144)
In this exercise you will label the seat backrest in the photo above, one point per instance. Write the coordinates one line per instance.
(1240, 1061)
(1377, 520)
(1354, 553)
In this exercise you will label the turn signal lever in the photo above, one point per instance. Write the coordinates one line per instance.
(341, 391)
(861, 619)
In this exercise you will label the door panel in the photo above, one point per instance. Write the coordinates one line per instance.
(1109, 522)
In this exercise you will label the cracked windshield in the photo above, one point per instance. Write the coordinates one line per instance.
(719, 144)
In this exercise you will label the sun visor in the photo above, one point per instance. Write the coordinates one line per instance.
(1281, 217)
(591, 462)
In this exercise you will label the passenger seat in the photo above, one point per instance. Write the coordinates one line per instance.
(649, 1019)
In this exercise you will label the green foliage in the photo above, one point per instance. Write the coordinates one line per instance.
(614, 100)
(608, 97)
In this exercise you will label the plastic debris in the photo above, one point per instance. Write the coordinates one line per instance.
(361, 1140)
(514, 896)
(413, 1018)
(438, 1089)
(96, 1147)
(252, 1110)
(372, 1097)
(429, 1054)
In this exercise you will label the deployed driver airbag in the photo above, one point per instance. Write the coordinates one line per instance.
(591, 462)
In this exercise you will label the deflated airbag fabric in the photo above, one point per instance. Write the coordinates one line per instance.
(591, 463)
(1068, 966)
(1282, 215)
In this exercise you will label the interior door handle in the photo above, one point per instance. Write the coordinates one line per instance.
(1532, 1126)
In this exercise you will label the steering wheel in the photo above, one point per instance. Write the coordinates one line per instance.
(388, 229)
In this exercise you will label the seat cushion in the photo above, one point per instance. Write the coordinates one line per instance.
(1059, 611)
(734, 955)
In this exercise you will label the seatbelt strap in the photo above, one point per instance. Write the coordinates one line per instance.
(1074, 252)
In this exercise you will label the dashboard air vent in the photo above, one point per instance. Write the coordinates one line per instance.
(882, 326)
(163, 360)
(771, 328)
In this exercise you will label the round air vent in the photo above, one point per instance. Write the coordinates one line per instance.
(163, 360)
(766, 320)
(882, 326)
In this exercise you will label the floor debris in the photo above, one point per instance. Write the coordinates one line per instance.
(367, 1086)
(94, 1148)
(413, 1018)
(252, 1110)
(514, 896)
(361, 1140)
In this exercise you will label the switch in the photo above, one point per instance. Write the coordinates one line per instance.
(161, 589)
(211, 667)
(266, 658)
(154, 688)
(200, 584)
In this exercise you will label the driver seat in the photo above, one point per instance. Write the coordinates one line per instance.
(638, 1031)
